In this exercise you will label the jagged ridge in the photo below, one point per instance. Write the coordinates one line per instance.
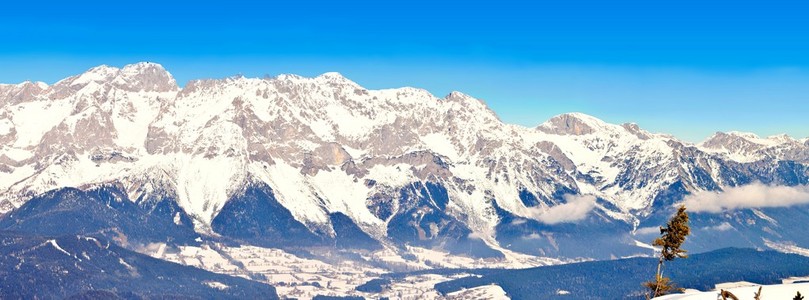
(326, 145)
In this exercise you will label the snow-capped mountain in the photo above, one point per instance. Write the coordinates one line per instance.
(749, 147)
(318, 160)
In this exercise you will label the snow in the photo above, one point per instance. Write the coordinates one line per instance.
(795, 279)
(203, 123)
(418, 287)
(216, 285)
(290, 274)
(744, 147)
(440, 144)
(644, 245)
(70, 173)
(33, 119)
(19, 174)
(56, 245)
(213, 130)
(745, 135)
(786, 247)
(345, 194)
(205, 184)
(354, 152)
(492, 291)
(18, 154)
(763, 216)
(177, 219)
(777, 291)
(293, 192)
(127, 265)
(6, 126)
(433, 258)
(391, 175)
(768, 141)
(594, 153)
(133, 117)
(348, 123)
(96, 74)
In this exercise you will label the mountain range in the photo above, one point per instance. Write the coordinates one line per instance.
(291, 161)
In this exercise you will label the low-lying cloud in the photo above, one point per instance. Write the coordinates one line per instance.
(647, 230)
(474, 236)
(518, 222)
(725, 226)
(753, 195)
(576, 209)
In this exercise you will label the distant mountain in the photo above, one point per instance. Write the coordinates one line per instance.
(85, 267)
(294, 161)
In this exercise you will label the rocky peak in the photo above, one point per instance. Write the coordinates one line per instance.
(744, 140)
(473, 105)
(463, 99)
(145, 76)
(23, 92)
(287, 77)
(334, 78)
(637, 131)
(782, 138)
(572, 124)
(99, 74)
(730, 140)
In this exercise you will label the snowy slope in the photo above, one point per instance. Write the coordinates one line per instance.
(749, 147)
(774, 291)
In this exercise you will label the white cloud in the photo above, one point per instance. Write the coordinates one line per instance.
(647, 230)
(148, 248)
(576, 209)
(518, 221)
(474, 235)
(749, 196)
(532, 236)
(725, 226)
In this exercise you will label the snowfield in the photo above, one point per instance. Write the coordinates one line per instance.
(294, 276)
(777, 291)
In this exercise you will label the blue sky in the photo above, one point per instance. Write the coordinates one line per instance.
(683, 67)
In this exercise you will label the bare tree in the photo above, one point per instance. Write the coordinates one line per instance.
(757, 295)
(728, 295)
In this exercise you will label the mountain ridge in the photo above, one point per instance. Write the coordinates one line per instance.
(441, 170)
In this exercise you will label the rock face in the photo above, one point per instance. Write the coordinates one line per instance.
(571, 124)
(328, 159)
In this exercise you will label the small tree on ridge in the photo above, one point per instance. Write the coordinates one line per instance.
(670, 241)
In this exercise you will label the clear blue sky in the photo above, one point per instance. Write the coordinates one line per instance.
(683, 67)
